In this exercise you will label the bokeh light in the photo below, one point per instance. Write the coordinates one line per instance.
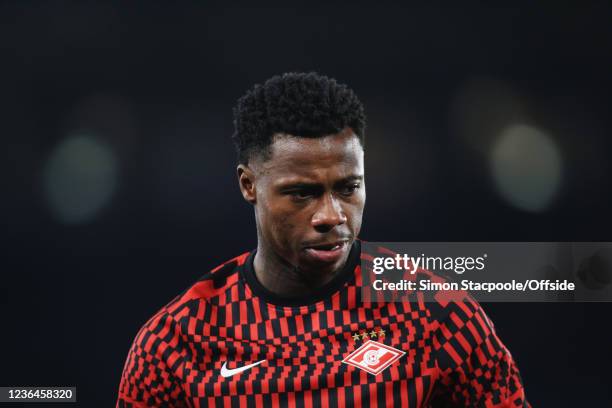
(80, 178)
(527, 167)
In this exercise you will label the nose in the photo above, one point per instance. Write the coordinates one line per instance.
(329, 214)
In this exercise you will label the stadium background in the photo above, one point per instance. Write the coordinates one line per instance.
(118, 184)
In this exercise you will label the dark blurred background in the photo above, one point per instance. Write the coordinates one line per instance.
(118, 180)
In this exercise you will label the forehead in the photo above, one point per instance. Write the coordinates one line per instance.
(341, 152)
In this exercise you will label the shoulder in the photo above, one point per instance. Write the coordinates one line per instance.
(211, 288)
(158, 350)
(212, 284)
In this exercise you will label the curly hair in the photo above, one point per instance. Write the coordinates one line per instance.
(300, 104)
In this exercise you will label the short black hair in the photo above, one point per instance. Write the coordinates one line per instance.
(300, 104)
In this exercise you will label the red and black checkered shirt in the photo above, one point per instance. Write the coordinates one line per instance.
(227, 341)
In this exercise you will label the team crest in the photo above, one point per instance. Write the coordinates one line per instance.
(373, 357)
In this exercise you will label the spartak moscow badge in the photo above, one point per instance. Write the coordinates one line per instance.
(373, 357)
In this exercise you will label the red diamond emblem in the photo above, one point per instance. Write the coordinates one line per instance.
(373, 357)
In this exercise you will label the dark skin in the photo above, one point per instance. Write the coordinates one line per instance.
(308, 195)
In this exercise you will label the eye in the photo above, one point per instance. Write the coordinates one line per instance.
(349, 189)
(301, 194)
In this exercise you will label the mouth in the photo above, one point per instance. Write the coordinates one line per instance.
(326, 252)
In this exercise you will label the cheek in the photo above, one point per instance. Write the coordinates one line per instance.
(356, 213)
(356, 217)
(282, 225)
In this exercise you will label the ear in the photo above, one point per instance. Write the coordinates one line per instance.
(246, 181)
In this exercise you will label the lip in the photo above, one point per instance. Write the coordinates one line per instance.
(326, 255)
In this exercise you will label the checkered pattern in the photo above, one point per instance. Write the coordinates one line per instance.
(453, 356)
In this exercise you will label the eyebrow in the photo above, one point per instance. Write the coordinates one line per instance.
(305, 184)
(351, 178)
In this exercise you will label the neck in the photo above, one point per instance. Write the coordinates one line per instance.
(283, 279)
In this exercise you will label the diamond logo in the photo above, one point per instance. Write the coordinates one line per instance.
(373, 357)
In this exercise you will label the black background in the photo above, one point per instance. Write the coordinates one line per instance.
(157, 82)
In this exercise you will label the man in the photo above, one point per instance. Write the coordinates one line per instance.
(284, 324)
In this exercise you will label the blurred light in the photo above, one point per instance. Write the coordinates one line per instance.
(482, 108)
(527, 166)
(80, 178)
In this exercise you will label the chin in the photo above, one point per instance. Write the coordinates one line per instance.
(322, 268)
